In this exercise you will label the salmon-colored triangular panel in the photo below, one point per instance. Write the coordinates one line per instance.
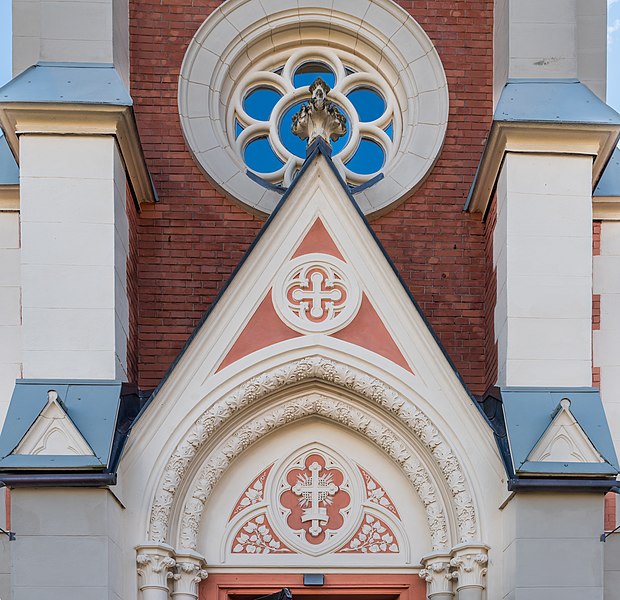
(318, 240)
(263, 329)
(368, 331)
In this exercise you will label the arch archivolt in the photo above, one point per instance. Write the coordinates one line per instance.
(388, 420)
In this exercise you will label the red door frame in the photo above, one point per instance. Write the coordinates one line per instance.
(338, 586)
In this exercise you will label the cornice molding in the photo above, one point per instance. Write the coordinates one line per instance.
(596, 140)
(23, 118)
(9, 198)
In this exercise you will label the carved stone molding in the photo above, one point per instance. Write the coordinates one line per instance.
(470, 564)
(189, 573)
(438, 577)
(338, 411)
(340, 376)
(155, 563)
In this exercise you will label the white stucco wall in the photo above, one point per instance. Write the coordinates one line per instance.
(542, 253)
(71, 30)
(10, 306)
(72, 277)
(551, 547)
(550, 39)
(606, 341)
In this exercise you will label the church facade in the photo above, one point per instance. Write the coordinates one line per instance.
(312, 297)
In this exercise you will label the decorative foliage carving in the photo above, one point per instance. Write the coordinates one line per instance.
(335, 410)
(437, 574)
(374, 536)
(339, 375)
(155, 565)
(470, 564)
(256, 536)
(376, 494)
(253, 494)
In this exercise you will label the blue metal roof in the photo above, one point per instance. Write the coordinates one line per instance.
(93, 407)
(554, 101)
(529, 412)
(80, 83)
(9, 171)
(609, 183)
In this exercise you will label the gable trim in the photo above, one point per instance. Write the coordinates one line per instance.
(317, 148)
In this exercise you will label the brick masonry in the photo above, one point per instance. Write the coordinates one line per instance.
(189, 243)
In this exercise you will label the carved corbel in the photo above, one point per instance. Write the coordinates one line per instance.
(469, 562)
(189, 573)
(155, 563)
(438, 577)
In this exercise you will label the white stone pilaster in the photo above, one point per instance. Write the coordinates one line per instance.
(438, 576)
(190, 572)
(470, 568)
(74, 250)
(542, 251)
(155, 567)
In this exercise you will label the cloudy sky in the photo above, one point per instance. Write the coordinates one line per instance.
(613, 47)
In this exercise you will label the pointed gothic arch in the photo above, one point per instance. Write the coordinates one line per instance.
(381, 404)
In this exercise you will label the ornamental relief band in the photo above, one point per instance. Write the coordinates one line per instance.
(308, 369)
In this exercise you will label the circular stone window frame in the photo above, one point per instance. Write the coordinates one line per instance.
(241, 34)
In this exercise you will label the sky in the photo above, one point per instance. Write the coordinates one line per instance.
(613, 48)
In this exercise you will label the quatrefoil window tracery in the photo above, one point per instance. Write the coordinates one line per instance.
(261, 116)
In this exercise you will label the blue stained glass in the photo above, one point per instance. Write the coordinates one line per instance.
(298, 146)
(369, 104)
(238, 129)
(260, 157)
(308, 72)
(260, 102)
(368, 158)
(390, 131)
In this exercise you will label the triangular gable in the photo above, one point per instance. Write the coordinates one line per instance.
(317, 254)
(266, 327)
(565, 440)
(53, 433)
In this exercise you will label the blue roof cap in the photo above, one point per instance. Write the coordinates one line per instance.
(554, 101)
(80, 83)
(529, 412)
(93, 407)
(9, 171)
(609, 183)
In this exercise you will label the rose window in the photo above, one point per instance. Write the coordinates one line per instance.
(248, 69)
(268, 99)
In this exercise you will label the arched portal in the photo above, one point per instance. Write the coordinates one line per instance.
(312, 390)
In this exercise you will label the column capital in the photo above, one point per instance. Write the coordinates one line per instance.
(155, 563)
(437, 574)
(190, 572)
(470, 564)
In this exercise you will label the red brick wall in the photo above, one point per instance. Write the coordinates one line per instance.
(191, 241)
(132, 289)
(490, 299)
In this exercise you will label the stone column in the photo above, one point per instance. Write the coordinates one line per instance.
(436, 573)
(470, 564)
(190, 573)
(155, 564)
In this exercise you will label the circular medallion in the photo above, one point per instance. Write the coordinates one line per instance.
(316, 293)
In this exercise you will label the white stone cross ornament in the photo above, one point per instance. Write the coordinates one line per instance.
(315, 490)
(316, 294)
